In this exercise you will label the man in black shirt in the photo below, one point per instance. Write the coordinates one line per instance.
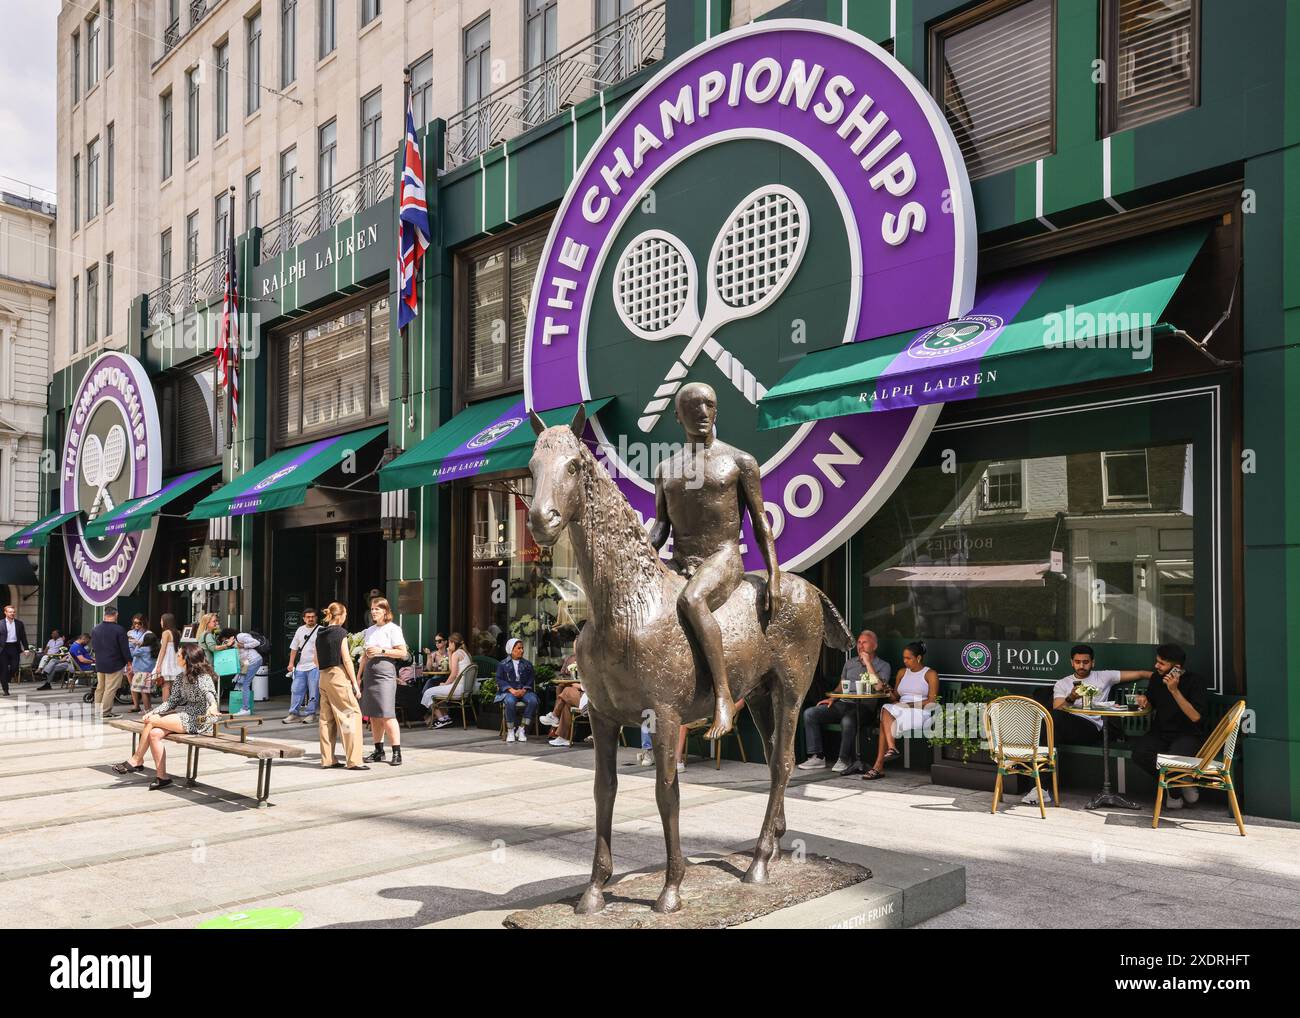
(112, 653)
(1177, 700)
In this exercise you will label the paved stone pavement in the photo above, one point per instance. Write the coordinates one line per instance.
(470, 824)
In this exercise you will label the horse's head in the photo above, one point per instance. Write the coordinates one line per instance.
(557, 468)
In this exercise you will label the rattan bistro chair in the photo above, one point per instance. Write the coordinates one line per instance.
(461, 697)
(1210, 768)
(1013, 725)
(27, 665)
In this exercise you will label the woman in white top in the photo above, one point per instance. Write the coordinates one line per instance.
(462, 670)
(911, 702)
(385, 645)
(169, 664)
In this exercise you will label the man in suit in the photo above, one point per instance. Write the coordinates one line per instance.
(514, 684)
(13, 641)
(112, 653)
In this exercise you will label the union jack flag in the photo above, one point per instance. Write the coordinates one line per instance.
(228, 348)
(413, 220)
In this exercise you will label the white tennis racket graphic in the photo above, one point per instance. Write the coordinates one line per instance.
(101, 464)
(754, 257)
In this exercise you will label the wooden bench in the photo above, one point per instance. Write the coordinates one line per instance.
(264, 751)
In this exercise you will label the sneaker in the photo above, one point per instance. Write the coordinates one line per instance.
(550, 720)
(681, 765)
(813, 763)
(557, 741)
(645, 758)
(237, 714)
(308, 719)
(840, 766)
(1191, 796)
(444, 721)
(521, 735)
(290, 719)
(510, 735)
(1173, 801)
(1030, 798)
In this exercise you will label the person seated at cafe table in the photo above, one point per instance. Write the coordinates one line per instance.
(865, 665)
(1177, 699)
(1079, 729)
(568, 698)
(911, 702)
(458, 662)
(515, 678)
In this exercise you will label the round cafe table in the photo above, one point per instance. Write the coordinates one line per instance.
(1106, 797)
(858, 699)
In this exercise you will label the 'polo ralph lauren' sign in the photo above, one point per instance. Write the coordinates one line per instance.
(111, 453)
(779, 189)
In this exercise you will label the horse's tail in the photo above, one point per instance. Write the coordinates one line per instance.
(835, 631)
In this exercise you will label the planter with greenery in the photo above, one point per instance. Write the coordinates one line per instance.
(489, 713)
(959, 758)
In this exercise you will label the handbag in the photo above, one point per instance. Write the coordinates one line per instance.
(225, 662)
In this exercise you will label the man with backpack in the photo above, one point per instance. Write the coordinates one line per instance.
(304, 672)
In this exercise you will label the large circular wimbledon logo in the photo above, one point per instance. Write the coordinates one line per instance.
(111, 453)
(778, 190)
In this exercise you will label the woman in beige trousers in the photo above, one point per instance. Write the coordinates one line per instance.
(340, 713)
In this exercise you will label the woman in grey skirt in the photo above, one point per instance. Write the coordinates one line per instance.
(384, 645)
(189, 709)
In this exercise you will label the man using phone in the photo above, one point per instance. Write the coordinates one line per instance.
(1177, 700)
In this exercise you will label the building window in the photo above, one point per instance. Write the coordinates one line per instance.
(76, 313)
(477, 84)
(369, 11)
(992, 72)
(191, 242)
(1000, 487)
(108, 34)
(333, 374)
(76, 192)
(498, 281)
(372, 127)
(253, 72)
(92, 306)
(108, 169)
(165, 118)
(1151, 51)
(221, 60)
(327, 38)
(92, 180)
(165, 258)
(288, 179)
(327, 147)
(192, 114)
(253, 200)
(194, 404)
(92, 51)
(76, 66)
(542, 90)
(421, 90)
(108, 295)
(1124, 477)
(288, 42)
(221, 222)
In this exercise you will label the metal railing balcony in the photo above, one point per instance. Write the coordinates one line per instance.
(364, 189)
(607, 56)
(198, 285)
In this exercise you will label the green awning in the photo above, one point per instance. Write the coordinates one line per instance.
(138, 513)
(1079, 318)
(283, 480)
(482, 438)
(38, 534)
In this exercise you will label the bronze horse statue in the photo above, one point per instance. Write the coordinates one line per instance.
(635, 657)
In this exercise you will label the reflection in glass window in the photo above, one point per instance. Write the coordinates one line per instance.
(1125, 476)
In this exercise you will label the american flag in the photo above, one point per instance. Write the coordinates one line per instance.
(413, 237)
(228, 348)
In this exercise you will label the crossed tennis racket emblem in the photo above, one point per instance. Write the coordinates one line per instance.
(101, 463)
(754, 257)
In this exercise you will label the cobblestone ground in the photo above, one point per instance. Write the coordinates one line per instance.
(469, 824)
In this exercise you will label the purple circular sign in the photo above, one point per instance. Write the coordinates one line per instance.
(883, 149)
(111, 453)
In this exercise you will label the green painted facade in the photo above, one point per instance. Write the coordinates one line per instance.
(1245, 128)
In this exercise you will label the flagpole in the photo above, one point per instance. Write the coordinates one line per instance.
(406, 329)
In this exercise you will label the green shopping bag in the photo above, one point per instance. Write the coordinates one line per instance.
(226, 662)
(237, 702)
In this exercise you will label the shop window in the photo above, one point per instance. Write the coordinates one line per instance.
(194, 407)
(1150, 49)
(1065, 568)
(332, 375)
(499, 282)
(517, 589)
(992, 72)
(1000, 487)
(1124, 477)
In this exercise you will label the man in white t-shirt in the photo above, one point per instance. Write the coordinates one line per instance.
(304, 671)
(1077, 729)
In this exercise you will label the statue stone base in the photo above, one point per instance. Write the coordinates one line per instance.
(713, 896)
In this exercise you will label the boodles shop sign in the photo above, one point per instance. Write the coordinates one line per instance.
(779, 189)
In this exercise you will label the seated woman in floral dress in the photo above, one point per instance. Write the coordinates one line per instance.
(190, 709)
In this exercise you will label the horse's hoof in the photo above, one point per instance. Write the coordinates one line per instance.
(756, 874)
(591, 902)
(669, 900)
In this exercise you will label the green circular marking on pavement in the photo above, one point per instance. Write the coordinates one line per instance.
(255, 919)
